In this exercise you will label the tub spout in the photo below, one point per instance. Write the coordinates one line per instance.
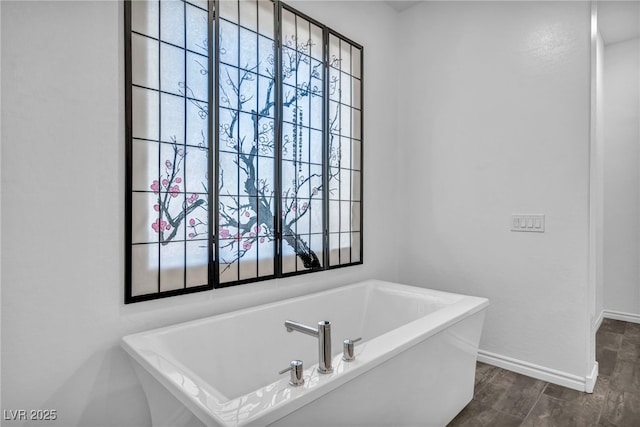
(323, 333)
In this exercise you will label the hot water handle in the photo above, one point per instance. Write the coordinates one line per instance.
(296, 369)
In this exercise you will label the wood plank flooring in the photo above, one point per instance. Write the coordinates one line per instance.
(504, 399)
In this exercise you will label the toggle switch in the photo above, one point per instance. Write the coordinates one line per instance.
(527, 222)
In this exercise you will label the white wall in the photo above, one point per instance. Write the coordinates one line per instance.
(494, 119)
(622, 177)
(63, 207)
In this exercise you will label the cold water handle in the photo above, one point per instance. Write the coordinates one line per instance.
(348, 352)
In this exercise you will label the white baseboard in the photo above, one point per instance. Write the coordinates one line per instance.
(564, 379)
(590, 380)
(540, 372)
(598, 322)
(618, 315)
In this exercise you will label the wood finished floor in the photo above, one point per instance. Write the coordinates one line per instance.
(504, 398)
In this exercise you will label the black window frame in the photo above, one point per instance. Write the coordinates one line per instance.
(213, 138)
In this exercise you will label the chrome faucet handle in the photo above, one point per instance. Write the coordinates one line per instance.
(348, 354)
(296, 373)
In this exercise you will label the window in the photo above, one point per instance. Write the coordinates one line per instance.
(249, 172)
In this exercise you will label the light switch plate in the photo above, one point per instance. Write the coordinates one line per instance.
(528, 223)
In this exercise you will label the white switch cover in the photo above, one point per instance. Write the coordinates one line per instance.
(527, 222)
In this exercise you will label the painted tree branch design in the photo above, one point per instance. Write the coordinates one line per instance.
(253, 219)
(247, 211)
(169, 190)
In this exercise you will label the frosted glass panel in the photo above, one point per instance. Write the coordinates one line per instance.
(202, 4)
(334, 51)
(345, 57)
(246, 127)
(334, 84)
(248, 259)
(197, 123)
(356, 91)
(345, 120)
(356, 150)
(197, 217)
(334, 117)
(265, 18)
(229, 10)
(196, 170)
(345, 89)
(144, 164)
(248, 91)
(172, 256)
(197, 77)
(228, 174)
(172, 66)
(266, 255)
(249, 14)
(197, 263)
(356, 57)
(197, 39)
(228, 272)
(169, 183)
(144, 17)
(334, 249)
(144, 269)
(289, 255)
(356, 189)
(316, 38)
(288, 29)
(302, 34)
(344, 152)
(302, 144)
(172, 118)
(317, 106)
(334, 216)
(266, 58)
(172, 21)
(345, 248)
(228, 43)
(229, 78)
(145, 113)
(355, 216)
(145, 219)
(145, 57)
(356, 239)
(356, 124)
(248, 50)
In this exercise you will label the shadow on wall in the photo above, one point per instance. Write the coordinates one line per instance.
(114, 396)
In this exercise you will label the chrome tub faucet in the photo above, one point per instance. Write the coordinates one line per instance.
(323, 333)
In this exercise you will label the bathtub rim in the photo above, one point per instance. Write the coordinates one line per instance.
(378, 350)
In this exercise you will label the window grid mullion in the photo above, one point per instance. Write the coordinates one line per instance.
(214, 141)
(278, 136)
(325, 144)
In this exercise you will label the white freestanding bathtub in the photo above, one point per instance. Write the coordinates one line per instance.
(414, 366)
